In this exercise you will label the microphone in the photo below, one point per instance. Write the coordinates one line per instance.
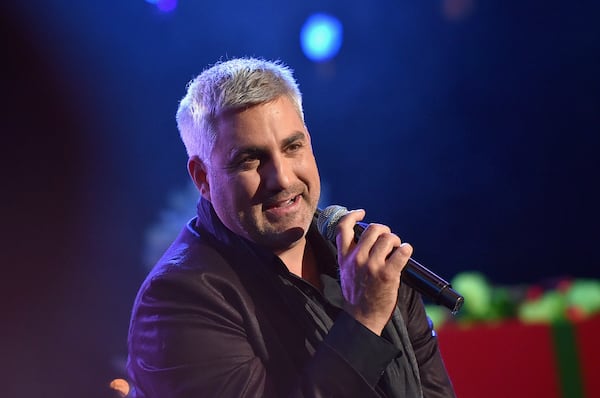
(414, 274)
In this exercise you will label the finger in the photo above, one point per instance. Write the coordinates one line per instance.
(345, 230)
(371, 234)
(384, 246)
(400, 256)
(369, 239)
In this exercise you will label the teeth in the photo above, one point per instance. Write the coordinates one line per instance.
(285, 203)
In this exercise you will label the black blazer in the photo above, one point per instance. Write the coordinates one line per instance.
(214, 318)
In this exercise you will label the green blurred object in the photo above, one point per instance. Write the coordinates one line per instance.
(567, 299)
(584, 294)
(548, 308)
(503, 305)
(477, 293)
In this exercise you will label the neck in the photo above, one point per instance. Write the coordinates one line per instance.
(300, 261)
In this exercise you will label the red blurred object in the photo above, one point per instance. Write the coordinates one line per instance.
(564, 285)
(588, 347)
(575, 314)
(534, 293)
(510, 359)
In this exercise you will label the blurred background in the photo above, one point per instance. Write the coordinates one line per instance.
(471, 127)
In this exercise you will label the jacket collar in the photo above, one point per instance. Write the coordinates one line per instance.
(208, 221)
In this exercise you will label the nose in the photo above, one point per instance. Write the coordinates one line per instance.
(277, 173)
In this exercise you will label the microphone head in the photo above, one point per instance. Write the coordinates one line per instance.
(328, 220)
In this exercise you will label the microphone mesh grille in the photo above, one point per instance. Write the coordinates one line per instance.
(328, 220)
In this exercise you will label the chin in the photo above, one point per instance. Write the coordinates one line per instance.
(282, 240)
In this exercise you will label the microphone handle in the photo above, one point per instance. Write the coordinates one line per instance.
(431, 286)
(424, 281)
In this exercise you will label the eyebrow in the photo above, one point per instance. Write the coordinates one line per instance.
(257, 150)
(298, 136)
(236, 153)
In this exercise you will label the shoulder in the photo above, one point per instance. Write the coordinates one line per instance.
(192, 258)
(192, 274)
(191, 304)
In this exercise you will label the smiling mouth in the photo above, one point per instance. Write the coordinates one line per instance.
(283, 203)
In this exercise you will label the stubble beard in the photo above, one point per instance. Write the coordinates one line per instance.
(286, 232)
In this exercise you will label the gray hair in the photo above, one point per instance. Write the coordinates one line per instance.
(228, 86)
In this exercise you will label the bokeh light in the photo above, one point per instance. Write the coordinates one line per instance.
(164, 5)
(321, 37)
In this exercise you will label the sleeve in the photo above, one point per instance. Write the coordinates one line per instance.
(188, 338)
(434, 377)
(351, 359)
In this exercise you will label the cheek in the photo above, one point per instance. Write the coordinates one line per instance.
(236, 190)
(310, 169)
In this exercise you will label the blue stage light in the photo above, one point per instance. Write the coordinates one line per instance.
(164, 5)
(321, 37)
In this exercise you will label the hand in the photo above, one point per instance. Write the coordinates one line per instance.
(370, 270)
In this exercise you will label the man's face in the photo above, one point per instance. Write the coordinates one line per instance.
(262, 178)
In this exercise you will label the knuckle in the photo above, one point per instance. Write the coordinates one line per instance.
(380, 228)
(389, 239)
(362, 258)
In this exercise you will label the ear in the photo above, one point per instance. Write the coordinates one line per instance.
(199, 174)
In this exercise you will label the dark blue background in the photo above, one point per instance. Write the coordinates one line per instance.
(474, 137)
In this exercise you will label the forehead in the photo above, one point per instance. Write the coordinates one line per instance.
(261, 124)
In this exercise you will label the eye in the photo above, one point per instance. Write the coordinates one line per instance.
(248, 161)
(294, 147)
(244, 161)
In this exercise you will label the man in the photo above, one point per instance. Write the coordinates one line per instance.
(250, 301)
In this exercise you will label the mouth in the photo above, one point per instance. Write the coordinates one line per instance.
(282, 204)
